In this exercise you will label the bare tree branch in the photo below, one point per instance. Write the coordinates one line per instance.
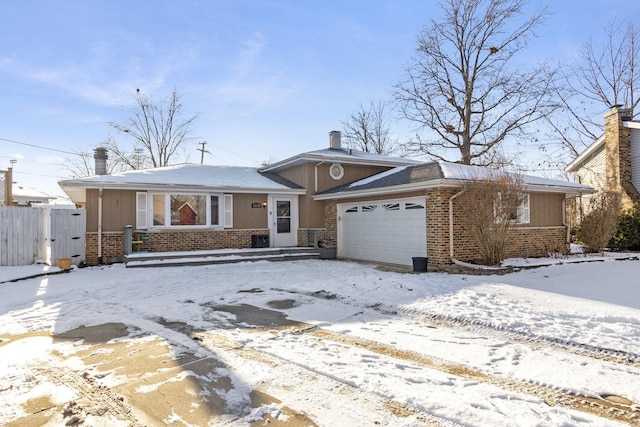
(602, 75)
(367, 129)
(157, 128)
(461, 85)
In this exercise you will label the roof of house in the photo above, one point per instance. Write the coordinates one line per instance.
(594, 148)
(347, 156)
(183, 177)
(23, 194)
(439, 174)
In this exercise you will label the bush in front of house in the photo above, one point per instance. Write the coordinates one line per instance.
(627, 235)
(599, 225)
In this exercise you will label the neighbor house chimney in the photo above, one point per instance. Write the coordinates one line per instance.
(100, 157)
(617, 141)
(334, 140)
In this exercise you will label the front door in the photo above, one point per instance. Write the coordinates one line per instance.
(283, 220)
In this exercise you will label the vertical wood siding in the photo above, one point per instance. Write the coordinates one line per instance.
(28, 235)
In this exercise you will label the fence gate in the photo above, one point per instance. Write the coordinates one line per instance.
(67, 235)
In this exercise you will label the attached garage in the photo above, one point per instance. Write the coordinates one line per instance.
(390, 231)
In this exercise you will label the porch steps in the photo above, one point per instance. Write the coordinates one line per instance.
(222, 256)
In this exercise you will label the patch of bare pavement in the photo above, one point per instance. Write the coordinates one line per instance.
(128, 381)
(115, 375)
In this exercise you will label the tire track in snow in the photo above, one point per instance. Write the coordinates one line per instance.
(594, 352)
(93, 399)
(553, 396)
(306, 374)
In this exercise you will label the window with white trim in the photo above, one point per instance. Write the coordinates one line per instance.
(518, 214)
(184, 209)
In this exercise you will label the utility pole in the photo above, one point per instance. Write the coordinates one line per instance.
(202, 151)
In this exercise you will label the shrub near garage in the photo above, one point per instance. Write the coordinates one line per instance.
(599, 225)
(627, 236)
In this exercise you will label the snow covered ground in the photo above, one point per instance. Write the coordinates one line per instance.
(549, 346)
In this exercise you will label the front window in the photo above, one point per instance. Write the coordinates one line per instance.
(180, 210)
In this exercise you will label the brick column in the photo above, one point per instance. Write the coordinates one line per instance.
(437, 205)
(617, 140)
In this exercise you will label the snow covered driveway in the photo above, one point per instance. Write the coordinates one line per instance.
(325, 343)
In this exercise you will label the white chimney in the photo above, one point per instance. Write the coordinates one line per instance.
(100, 157)
(334, 140)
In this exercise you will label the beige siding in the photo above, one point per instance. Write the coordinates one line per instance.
(545, 209)
(311, 211)
(635, 158)
(118, 209)
(351, 173)
(301, 175)
(593, 172)
(246, 217)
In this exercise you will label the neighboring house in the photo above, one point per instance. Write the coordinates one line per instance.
(372, 207)
(28, 196)
(612, 162)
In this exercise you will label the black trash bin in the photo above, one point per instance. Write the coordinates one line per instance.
(420, 264)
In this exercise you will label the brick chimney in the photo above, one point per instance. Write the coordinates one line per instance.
(100, 157)
(617, 140)
(335, 140)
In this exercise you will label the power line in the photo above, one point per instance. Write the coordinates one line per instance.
(40, 147)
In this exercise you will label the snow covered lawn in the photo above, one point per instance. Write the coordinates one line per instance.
(326, 343)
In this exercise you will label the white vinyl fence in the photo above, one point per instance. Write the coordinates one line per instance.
(30, 234)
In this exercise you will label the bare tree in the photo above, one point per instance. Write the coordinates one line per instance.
(491, 208)
(83, 164)
(603, 75)
(157, 128)
(462, 85)
(367, 129)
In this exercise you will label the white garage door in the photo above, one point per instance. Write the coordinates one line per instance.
(390, 231)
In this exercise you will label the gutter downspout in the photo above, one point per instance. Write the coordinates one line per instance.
(100, 225)
(453, 259)
(564, 220)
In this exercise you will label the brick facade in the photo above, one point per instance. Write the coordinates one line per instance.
(617, 142)
(525, 242)
(169, 241)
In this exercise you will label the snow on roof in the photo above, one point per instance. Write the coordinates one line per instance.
(377, 177)
(436, 174)
(187, 175)
(461, 172)
(341, 155)
(28, 193)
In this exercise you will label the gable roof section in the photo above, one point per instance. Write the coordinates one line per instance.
(184, 177)
(587, 154)
(595, 148)
(438, 175)
(346, 156)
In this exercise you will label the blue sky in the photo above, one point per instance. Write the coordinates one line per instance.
(268, 79)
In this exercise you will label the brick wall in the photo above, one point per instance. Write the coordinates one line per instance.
(525, 241)
(617, 141)
(437, 205)
(170, 241)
